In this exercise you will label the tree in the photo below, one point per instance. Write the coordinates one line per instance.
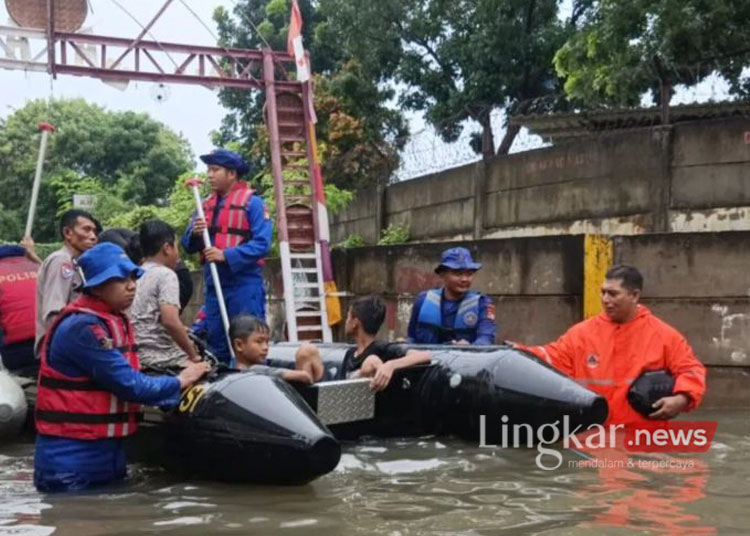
(177, 211)
(359, 134)
(623, 49)
(456, 60)
(126, 158)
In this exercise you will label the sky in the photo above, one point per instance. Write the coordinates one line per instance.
(192, 111)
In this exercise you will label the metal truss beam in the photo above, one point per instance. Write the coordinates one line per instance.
(89, 55)
(165, 62)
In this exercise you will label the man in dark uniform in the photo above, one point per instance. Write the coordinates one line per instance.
(241, 230)
(453, 314)
(89, 386)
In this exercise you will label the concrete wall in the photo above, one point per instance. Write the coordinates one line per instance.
(360, 217)
(686, 178)
(572, 182)
(435, 207)
(711, 165)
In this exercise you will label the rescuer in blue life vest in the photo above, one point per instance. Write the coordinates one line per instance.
(453, 314)
(89, 387)
(241, 231)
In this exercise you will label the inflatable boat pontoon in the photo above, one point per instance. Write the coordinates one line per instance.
(251, 428)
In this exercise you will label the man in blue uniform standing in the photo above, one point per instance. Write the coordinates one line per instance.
(241, 230)
(89, 387)
(453, 314)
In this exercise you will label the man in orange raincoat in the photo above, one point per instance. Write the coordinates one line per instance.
(606, 353)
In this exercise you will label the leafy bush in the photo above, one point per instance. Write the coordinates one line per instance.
(177, 211)
(354, 240)
(394, 234)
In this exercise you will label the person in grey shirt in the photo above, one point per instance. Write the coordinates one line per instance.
(58, 279)
(162, 339)
(250, 338)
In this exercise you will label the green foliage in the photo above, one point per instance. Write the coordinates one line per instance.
(67, 183)
(336, 198)
(11, 222)
(177, 211)
(394, 234)
(358, 132)
(44, 250)
(126, 159)
(622, 49)
(132, 219)
(354, 240)
(453, 60)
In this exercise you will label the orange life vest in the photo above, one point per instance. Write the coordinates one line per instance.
(231, 228)
(76, 407)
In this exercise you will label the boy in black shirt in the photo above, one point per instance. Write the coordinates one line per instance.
(372, 358)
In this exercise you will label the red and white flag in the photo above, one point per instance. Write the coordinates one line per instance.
(294, 43)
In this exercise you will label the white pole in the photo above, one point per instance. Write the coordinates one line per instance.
(46, 128)
(324, 327)
(288, 280)
(194, 183)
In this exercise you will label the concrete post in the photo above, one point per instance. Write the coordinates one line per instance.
(661, 186)
(480, 186)
(380, 209)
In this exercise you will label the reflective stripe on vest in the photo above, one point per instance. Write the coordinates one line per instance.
(231, 228)
(468, 312)
(430, 318)
(76, 407)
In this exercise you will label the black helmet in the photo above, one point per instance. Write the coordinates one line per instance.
(648, 388)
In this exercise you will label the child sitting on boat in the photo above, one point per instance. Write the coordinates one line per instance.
(250, 338)
(372, 358)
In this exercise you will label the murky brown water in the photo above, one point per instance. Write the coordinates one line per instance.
(417, 486)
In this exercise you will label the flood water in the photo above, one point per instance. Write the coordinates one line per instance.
(428, 485)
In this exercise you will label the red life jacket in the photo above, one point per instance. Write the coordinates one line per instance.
(231, 228)
(17, 298)
(76, 407)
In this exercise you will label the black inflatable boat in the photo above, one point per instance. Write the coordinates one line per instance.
(239, 427)
(466, 390)
(250, 428)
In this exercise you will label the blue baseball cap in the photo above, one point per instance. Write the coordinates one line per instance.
(226, 158)
(104, 262)
(457, 259)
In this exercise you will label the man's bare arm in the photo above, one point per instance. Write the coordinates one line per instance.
(170, 319)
